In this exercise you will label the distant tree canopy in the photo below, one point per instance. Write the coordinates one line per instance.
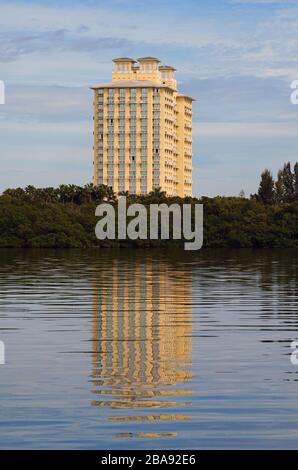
(65, 193)
(283, 190)
(266, 189)
(64, 217)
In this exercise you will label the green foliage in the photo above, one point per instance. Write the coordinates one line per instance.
(64, 217)
(281, 191)
(266, 189)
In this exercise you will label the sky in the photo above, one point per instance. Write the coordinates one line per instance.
(237, 58)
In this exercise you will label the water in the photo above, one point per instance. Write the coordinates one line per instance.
(148, 349)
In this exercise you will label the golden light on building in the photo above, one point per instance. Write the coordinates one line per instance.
(142, 347)
(142, 130)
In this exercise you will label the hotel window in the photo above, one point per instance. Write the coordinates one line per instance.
(122, 94)
(133, 95)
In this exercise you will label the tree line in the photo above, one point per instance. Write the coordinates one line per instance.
(282, 190)
(70, 193)
(65, 193)
(64, 217)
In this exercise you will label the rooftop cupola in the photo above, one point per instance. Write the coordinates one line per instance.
(167, 75)
(123, 68)
(148, 69)
(148, 64)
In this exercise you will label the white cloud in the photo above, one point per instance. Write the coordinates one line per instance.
(260, 2)
(245, 129)
(46, 45)
(53, 43)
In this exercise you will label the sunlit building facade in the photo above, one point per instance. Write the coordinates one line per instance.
(142, 130)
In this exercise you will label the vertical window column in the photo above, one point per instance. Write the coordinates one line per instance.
(156, 139)
(110, 127)
(121, 141)
(132, 140)
(144, 140)
(100, 138)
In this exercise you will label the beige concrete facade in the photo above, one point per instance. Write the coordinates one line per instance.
(142, 130)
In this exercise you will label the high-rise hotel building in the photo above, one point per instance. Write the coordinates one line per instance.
(142, 130)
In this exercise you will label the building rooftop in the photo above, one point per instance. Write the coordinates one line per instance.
(131, 84)
(124, 59)
(167, 67)
(143, 59)
(181, 95)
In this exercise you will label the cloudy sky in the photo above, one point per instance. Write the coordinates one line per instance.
(236, 57)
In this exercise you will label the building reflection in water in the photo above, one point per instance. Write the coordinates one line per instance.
(142, 345)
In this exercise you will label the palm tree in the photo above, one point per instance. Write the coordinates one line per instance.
(63, 193)
(89, 192)
(157, 192)
(100, 193)
(31, 193)
(110, 194)
(17, 193)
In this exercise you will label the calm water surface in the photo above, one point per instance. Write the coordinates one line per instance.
(147, 349)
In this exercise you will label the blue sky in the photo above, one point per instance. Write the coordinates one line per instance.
(236, 57)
